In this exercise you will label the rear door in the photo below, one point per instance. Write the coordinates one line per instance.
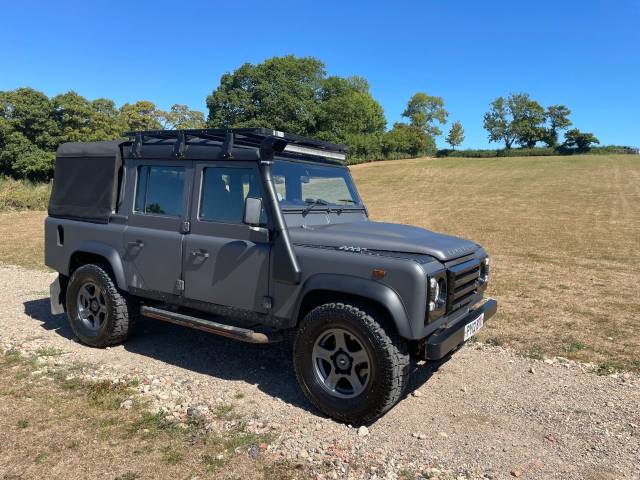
(153, 239)
(225, 261)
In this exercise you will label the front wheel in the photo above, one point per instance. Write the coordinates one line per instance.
(348, 366)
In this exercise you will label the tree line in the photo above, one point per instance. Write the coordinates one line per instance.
(296, 95)
(32, 126)
(289, 93)
(521, 120)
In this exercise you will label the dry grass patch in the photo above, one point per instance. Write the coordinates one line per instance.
(563, 232)
(54, 425)
(22, 239)
(23, 195)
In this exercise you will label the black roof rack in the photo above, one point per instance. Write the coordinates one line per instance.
(250, 137)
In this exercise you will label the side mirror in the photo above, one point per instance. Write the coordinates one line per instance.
(252, 210)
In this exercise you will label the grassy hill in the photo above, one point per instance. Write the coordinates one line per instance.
(563, 233)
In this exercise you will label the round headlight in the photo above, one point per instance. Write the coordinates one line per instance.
(434, 289)
(437, 293)
(484, 271)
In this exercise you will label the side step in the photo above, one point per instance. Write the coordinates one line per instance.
(237, 333)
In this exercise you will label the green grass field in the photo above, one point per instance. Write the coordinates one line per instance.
(563, 233)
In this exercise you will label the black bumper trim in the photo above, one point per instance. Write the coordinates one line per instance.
(441, 343)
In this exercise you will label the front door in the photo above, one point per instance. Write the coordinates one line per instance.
(154, 236)
(225, 261)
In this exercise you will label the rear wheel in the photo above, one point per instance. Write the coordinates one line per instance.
(99, 313)
(348, 366)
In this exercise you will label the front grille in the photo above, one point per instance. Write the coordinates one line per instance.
(463, 281)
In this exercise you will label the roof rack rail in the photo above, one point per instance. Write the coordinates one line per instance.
(252, 137)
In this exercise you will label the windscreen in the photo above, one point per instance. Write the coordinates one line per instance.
(298, 184)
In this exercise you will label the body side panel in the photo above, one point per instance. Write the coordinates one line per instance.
(402, 290)
(80, 236)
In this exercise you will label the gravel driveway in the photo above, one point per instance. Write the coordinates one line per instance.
(486, 413)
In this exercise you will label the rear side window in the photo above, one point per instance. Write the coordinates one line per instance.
(224, 191)
(160, 190)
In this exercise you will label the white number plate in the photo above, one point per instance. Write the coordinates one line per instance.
(470, 329)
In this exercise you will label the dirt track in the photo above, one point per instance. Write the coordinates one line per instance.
(486, 413)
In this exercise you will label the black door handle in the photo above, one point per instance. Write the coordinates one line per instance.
(137, 243)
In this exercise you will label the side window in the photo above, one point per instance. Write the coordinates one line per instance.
(224, 191)
(160, 190)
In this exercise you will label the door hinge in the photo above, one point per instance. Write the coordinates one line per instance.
(180, 285)
(185, 227)
(267, 303)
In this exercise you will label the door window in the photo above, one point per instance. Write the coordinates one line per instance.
(224, 191)
(160, 190)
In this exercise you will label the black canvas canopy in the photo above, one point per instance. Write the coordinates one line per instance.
(85, 182)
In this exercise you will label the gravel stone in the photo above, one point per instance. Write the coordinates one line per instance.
(490, 419)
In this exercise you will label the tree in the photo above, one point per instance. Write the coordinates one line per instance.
(423, 110)
(142, 115)
(182, 117)
(582, 141)
(74, 115)
(528, 119)
(30, 113)
(21, 158)
(294, 95)
(408, 141)
(456, 135)
(28, 134)
(346, 109)
(280, 93)
(497, 122)
(81, 120)
(108, 124)
(558, 118)
(517, 119)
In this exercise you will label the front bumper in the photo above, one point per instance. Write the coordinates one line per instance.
(444, 341)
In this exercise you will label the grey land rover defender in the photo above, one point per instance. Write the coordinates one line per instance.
(256, 234)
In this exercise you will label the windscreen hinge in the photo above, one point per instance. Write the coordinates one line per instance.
(227, 145)
(180, 285)
(185, 227)
(180, 145)
(136, 146)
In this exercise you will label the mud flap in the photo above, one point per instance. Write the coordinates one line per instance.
(55, 291)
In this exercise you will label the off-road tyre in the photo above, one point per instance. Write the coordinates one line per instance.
(121, 309)
(389, 357)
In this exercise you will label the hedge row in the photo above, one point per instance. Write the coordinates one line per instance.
(535, 152)
(23, 195)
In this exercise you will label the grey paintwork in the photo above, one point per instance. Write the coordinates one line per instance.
(218, 257)
(384, 236)
(236, 266)
(104, 240)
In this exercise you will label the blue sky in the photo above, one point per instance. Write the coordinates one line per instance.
(585, 54)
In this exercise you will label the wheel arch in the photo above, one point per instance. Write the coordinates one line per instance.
(325, 288)
(99, 253)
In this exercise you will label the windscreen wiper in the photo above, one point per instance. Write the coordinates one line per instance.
(341, 207)
(314, 203)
